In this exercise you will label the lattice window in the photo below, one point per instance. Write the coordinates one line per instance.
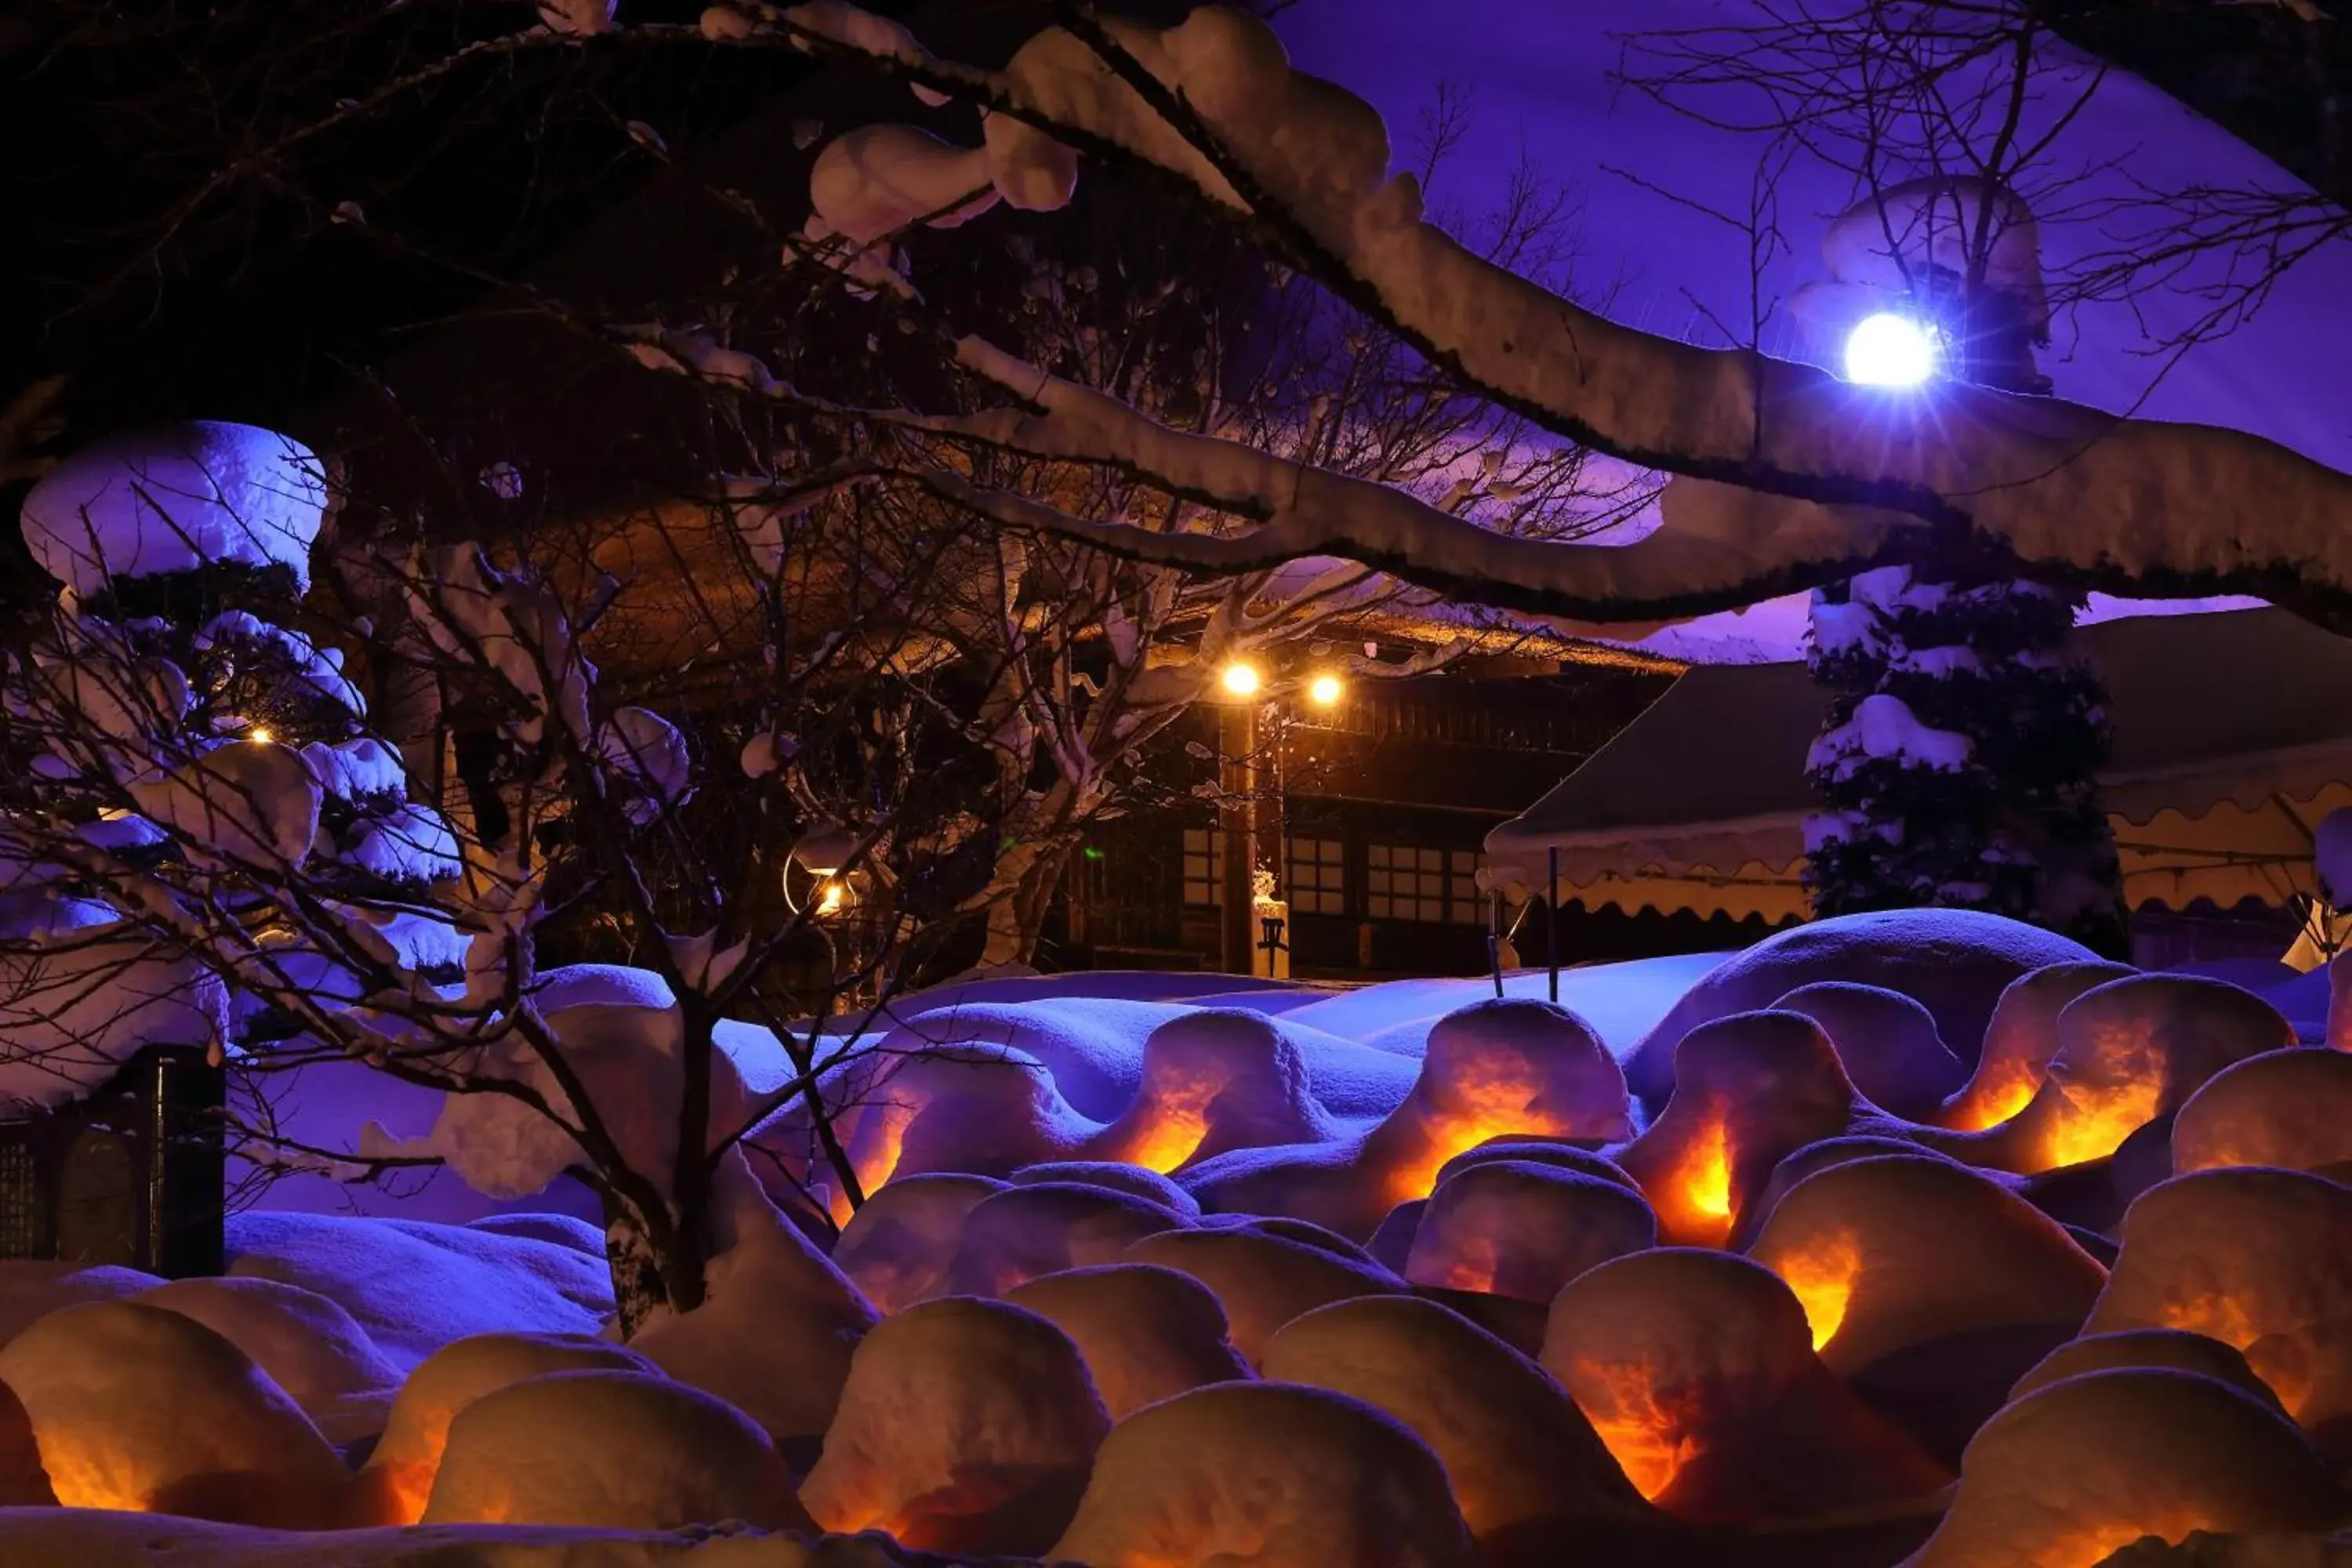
(1205, 868)
(1317, 878)
(1409, 882)
(22, 1232)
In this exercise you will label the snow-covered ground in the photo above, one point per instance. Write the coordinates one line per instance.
(1407, 1275)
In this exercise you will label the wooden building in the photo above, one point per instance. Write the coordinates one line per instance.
(1381, 803)
(132, 1176)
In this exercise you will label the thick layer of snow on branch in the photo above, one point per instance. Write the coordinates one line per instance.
(1884, 728)
(249, 801)
(175, 498)
(510, 625)
(644, 754)
(356, 769)
(306, 667)
(621, 1031)
(879, 179)
(411, 843)
(81, 992)
(1307, 510)
(2061, 486)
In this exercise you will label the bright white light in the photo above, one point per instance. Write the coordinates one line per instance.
(1241, 679)
(1323, 691)
(1887, 350)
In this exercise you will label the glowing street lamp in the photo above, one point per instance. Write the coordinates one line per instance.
(1888, 349)
(1323, 691)
(1239, 679)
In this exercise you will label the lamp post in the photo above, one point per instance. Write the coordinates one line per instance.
(1237, 782)
(1252, 740)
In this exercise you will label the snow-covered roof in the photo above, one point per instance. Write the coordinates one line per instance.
(1538, 75)
(2232, 737)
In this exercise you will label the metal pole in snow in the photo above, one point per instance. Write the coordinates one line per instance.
(1495, 939)
(1552, 918)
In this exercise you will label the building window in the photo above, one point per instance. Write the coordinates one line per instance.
(1403, 882)
(1316, 880)
(1205, 868)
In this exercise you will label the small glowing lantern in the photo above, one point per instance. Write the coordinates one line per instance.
(1323, 691)
(1239, 679)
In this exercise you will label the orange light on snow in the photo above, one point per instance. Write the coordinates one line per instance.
(1701, 1191)
(1175, 1121)
(879, 1163)
(2091, 1125)
(90, 1478)
(1643, 1436)
(1991, 1104)
(2220, 1316)
(1490, 1098)
(1820, 1275)
(1448, 1137)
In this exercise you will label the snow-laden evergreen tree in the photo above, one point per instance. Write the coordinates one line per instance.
(171, 718)
(1958, 760)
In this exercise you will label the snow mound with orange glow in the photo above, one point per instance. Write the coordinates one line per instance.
(63, 1538)
(1535, 1151)
(1023, 1232)
(1750, 1089)
(1929, 1287)
(966, 1426)
(1214, 1080)
(1817, 1157)
(1262, 1279)
(975, 1107)
(31, 1289)
(1118, 1177)
(623, 1450)
(398, 1477)
(897, 1247)
(777, 1325)
(1147, 1332)
(2019, 1041)
(2261, 1260)
(1887, 1042)
(1495, 1068)
(1515, 1228)
(139, 1408)
(1525, 1465)
(2291, 1109)
(2129, 1052)
(307, 1346)
(1696, 1369)
(1955, 962)
(2066, 1475)
(1262, 1475)
(2177, 1349)
(1895, 1254)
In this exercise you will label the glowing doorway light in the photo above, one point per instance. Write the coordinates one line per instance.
(1240, 679)
(1887, 350)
